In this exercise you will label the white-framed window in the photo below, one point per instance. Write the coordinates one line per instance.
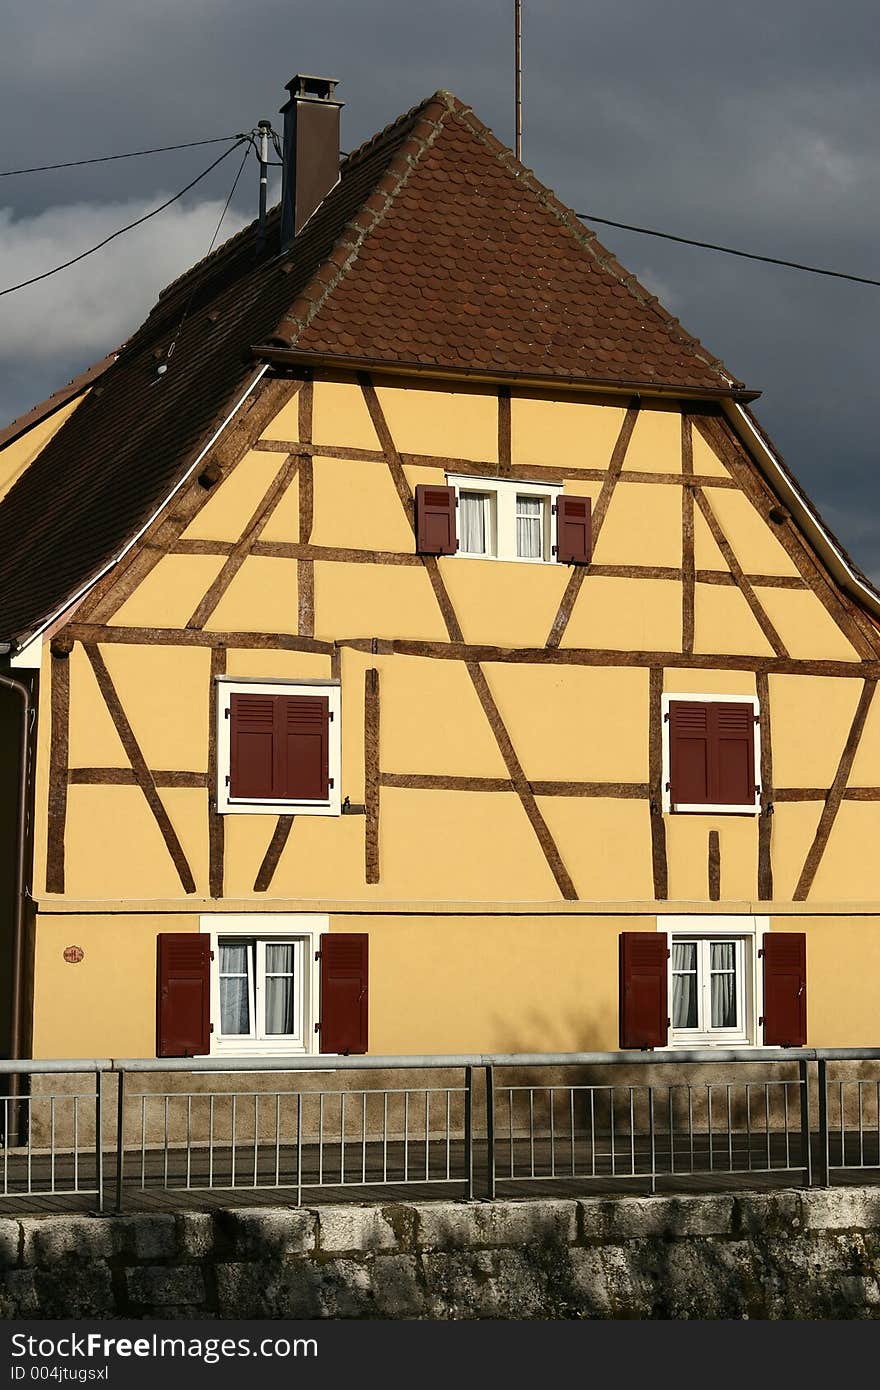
(714, 980)
(264, 982)
(503, 519)
(279, 747)
(711, 754)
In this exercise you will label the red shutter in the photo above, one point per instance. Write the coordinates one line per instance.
(435, 520)
(733, 739)
(574, 536)
(689, 740)
(344, 1004)
(252, 741)
(644, 1018)
(785, 989)
(183, 995)
(302, 745)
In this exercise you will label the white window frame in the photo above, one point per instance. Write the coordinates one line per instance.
(503, 493)
(749, 933)
(708, 808)
(303, 928)
(227, 686)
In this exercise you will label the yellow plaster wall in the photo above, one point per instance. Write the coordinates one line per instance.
(340, 416)
(851, 861)
(655, 446)
(752, 539)
(843, 966)
(114, 848)
(626, 615)
(18, 456)
(707, 552)
(164, 692)
(866, 767)
(355, 600)
(706, 461)
(572, 431)
(356, 505)
(432, 720)
(268, 665)
(170, 593)
(681, 680)
(687, 851)
(93, 740)
(605, 845)
(794, 828)
(805, 625)
(263, 597)
(504, 604)
(234, 500)
(811, 718)
(575, 723)
(642, 526)
(723, 620)
(435, 420)
(105, 1005)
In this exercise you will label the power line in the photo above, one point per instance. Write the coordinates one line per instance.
(119, 232)
(729, 250)
(106, 158)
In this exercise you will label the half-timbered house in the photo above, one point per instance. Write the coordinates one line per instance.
(420, 647)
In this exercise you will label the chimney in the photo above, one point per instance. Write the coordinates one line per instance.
(311, 151)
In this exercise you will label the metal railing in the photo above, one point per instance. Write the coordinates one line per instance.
(154, 1131)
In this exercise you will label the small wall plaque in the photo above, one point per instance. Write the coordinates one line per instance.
(73, 954)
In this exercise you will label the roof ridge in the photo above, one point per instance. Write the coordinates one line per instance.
(370, 212)
(584, 235)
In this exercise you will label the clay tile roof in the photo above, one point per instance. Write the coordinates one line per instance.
(436, 247)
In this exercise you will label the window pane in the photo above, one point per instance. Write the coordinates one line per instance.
(234, 1008)
(234, 957)
(473, 516)
(684, 984)
(279, 957)
(723, 974)
(684, 955)
(530, 528)
(279, 1003)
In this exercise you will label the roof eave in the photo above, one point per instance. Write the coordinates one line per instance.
(801, 508)
(298, 357)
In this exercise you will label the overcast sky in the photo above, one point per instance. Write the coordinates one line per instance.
(755, 125)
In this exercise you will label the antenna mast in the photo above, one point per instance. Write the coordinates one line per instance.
(517, 22)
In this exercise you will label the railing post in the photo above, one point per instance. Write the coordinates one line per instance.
(806, 1137)
(469, 1132)
(824, 1179)
(652, 1139)
(120, 1138)
(490, 1131)
(99, 1137)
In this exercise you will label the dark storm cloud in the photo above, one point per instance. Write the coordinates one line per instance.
(755, 126)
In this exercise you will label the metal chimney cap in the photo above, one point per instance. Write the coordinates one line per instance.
(303, 87)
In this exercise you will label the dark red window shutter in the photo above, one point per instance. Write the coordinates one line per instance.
(344, 1002)
(435, 520)
(280, 747)
(574, 533)
(644, 1015)
(252, 744)
(689, 739)
(711, 753)
(734, 746)
(303, 742)
(785, 989)
(183, 995)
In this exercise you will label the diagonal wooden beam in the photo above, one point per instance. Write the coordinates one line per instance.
(736, 570)
(835, 794)
(599, 513)
(257, 523)
(266, 871)
(139, 767)
(478, 679)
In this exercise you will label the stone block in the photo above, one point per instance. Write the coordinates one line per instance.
(634, 1218)
(195, 1234)
(77, 1239)
(156, 1285)
(841, 1208)
(768, 1213)
(75, 1291)
(261, 1233)
(150, 1237)
(354, 1228)
(269, 1289)
(18, 1294)
(484, 1284)
(397, 1289)
(10, 1243)
(461, 1226)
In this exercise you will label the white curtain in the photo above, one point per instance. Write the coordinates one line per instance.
(684, 984)
(235, 964)
(529, 528)
(723, 972)
(279, 987)
(473, 521)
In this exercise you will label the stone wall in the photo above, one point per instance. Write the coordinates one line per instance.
(787, 1254)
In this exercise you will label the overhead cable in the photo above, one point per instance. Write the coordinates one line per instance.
(106, 158)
